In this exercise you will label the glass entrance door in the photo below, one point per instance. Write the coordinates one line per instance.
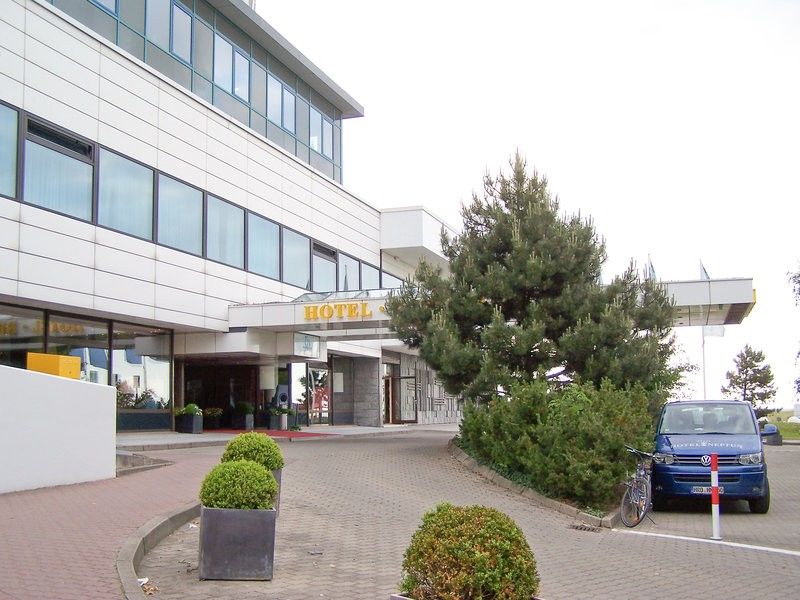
(318, 395)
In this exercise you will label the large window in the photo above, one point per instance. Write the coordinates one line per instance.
(274, 95)
(324, 269)
(316, 130)
(8, 151)
(126, 195)
(181, 33)
(241, 76)
(225, 233)
(85, 338)
(58, 172)
(288, 110)
(327, 138)
(223, 63)
(180, 215)
(296, 259)
(158, 12)
(21, 331)
(390, 281)
(141, 367)
(349, 278)
(370, 277)
(263, 246)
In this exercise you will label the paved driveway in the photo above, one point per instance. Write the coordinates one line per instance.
(780, 527)
(349, 507)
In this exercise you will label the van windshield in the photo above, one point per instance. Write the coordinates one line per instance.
(684, 418)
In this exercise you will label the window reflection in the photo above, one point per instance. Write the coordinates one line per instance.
(85, 338)
(181, 33)
(180, 215)
(21, 331)
(349, 278)
(225, 236)
(141, 364)
(8, 151)
(263, 243)
(324, 274)
(241, 86)
(223, 63)
(125, 195)
(158, 22)
(316, 129)
(56, 181)
(296, 259)
(370, 277)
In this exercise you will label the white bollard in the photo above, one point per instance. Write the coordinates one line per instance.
(715, 535)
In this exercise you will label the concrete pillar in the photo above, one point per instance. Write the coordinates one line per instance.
(367, 391)
(268, 381)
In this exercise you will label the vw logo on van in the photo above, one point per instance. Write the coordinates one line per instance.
(705, 460)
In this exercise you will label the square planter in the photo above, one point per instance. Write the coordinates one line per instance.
(242, 422)
(274, 422)
(237, 544)
(212, 422)
(189, 423)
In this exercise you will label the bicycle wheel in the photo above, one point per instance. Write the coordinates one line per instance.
(635, 502)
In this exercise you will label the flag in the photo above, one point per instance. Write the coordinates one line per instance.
(703, 273)
(651, 272)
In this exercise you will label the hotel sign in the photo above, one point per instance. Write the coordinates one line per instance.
(341, 311)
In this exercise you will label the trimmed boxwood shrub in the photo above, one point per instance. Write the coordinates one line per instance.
(256, 447)
(240, 484)
(189, 409)
(464, 552)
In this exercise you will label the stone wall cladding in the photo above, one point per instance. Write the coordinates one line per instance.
(367, 391)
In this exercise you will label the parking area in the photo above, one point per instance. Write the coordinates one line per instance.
(779, 528)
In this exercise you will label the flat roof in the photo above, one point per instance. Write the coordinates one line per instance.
(273, 42)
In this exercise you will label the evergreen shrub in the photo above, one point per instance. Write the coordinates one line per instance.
(462, 552)
(242, 484)
(256, 447)
(566, 443)
(189, 409)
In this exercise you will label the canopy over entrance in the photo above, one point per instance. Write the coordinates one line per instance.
(342, 316)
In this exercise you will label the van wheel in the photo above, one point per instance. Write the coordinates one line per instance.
(760, 506)
(659, 503)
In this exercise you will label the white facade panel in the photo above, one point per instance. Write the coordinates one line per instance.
(179, 300)
(179, 277)
(54, 295)
(124, 243)
(8, 262)
(9, 234)
(52, 244)
(55, 274)
(121, 287)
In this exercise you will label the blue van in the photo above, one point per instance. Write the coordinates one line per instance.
(686, 436)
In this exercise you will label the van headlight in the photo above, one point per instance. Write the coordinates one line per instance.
(750, 459)
(663, 459)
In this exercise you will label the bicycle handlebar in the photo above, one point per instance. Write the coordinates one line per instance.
(639, 453)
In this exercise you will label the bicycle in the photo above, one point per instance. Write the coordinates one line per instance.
(636, 500)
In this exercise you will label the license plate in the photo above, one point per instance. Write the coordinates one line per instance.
(702, 489)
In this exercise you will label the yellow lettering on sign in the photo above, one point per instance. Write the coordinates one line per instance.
(342, 310)
(326, 311)
(311, 313)
(339, 310)
(352, 310)
(365, 311)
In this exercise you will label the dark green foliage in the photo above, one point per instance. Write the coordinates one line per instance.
(566, 443)
(523, 301)
(189, 409)
(239, 484)
(752, 381)
(213, 412)
(468, 552)
(243, 408)
(257, 447)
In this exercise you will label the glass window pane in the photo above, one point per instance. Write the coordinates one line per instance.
(225, 233)
(158, 22)
(180, 215)
(327, 138)
(296, 259)
(203, 49)
(8, 151)
(274, 91)
(324, 274)
(348, 274)
(132, 13)
(241, 85)
(181, 33)
(316, 130)
(109, 4)
(390, 281)
(57, 181)
(288, 110)
(370, 279)
(86, 339)
(263, 247)
(125, 201)
(301, 121)
(258, 88)
(21, 331)
(223, 57)
(141, 360)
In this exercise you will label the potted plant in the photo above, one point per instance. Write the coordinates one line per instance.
(189, 419)
(259, 448)
(242, 416)
(468, 552)
(237, 522)
(278, 418)
(212, 417)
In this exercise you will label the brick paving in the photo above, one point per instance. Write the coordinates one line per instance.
(349, 508)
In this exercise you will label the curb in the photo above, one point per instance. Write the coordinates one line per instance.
(609, 521)
(145, 539)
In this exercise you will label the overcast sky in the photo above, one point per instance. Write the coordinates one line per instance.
(674, 124)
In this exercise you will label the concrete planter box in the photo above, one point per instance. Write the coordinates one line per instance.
(242, 422)
(237, 544)
(189, 423)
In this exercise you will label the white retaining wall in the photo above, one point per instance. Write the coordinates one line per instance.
(54, 431)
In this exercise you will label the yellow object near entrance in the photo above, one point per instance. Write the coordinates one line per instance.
(55, 364)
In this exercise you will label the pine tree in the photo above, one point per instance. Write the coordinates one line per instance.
(523, 301)
(752, 381)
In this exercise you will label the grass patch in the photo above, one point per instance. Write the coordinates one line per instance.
(789, 431)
